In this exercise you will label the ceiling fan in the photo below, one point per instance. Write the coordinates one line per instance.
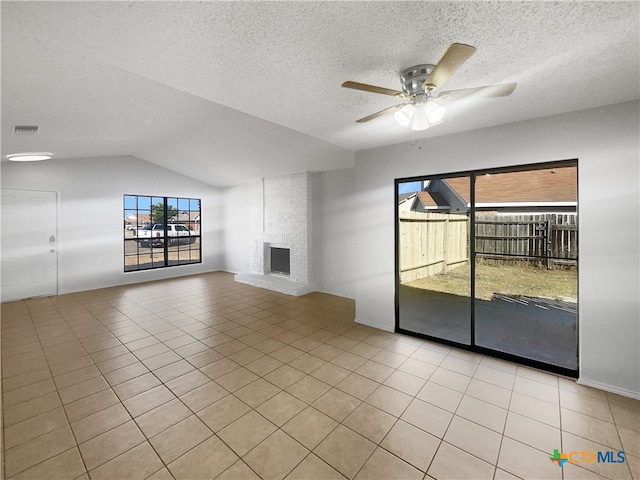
(424, 109)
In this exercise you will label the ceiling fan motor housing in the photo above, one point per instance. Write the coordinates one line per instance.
(413, 78)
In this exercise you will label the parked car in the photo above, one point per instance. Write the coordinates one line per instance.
(153, 235)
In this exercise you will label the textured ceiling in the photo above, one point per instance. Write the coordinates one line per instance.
(226, 91)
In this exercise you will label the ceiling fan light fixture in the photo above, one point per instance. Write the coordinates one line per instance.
(435, 113)
(405, 114)
(420, 119)
(419, 84)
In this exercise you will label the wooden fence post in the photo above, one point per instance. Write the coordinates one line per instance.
(547, 245)
(445, 245)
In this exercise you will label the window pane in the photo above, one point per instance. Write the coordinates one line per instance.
(434, 270)
(144, 203)
(183, 204)
(172, 210)
(526, 286)
(130, 202)
(157, 210)
(131, 258)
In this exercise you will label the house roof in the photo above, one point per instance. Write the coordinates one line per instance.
(140, 218)
(405, 196)
(550, 185)
(432, 199)
(186, 217)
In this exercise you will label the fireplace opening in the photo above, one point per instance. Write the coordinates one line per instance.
(280, 261)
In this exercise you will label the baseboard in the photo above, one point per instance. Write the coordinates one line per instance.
(608, 388)
(374, 325)
(334, 293)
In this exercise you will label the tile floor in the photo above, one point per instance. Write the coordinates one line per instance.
(201, 378)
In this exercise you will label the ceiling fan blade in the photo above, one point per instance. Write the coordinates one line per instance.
(372, 88)
(489, 91)
(380, 113)
(456, 55)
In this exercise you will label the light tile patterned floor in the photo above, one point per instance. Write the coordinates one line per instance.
(201, 378)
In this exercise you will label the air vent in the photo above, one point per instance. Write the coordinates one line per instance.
(25, 129)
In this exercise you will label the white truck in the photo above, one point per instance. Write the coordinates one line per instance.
(153, 235)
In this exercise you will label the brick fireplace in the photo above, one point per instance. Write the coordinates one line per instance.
(280, 216)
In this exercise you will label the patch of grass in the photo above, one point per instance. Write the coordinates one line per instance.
(505, 279)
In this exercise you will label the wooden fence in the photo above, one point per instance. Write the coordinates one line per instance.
(433, 243)
(547, 239)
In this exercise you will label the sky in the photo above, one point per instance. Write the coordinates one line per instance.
(409, 187)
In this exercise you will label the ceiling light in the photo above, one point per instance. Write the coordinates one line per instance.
(420, 113)
(405, 114)
(434, 112)
(29, 157)
(420, 119)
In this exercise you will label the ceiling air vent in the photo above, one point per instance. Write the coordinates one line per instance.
(25, 129)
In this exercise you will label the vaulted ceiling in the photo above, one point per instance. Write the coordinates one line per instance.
(226, 91)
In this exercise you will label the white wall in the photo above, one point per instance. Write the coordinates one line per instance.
(606, 143)
(333, 232)
(90, 215)
(237, 240)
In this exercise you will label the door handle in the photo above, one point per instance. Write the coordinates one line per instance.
(52, 240)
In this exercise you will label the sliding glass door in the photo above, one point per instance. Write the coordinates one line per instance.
(488, 260)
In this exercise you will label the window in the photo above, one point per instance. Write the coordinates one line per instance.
(161, 232)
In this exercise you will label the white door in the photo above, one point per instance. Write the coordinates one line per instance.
(29, 244)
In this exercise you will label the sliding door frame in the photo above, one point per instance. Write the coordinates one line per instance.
(472, 174)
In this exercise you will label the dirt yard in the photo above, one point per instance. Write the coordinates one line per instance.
(508, 280)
